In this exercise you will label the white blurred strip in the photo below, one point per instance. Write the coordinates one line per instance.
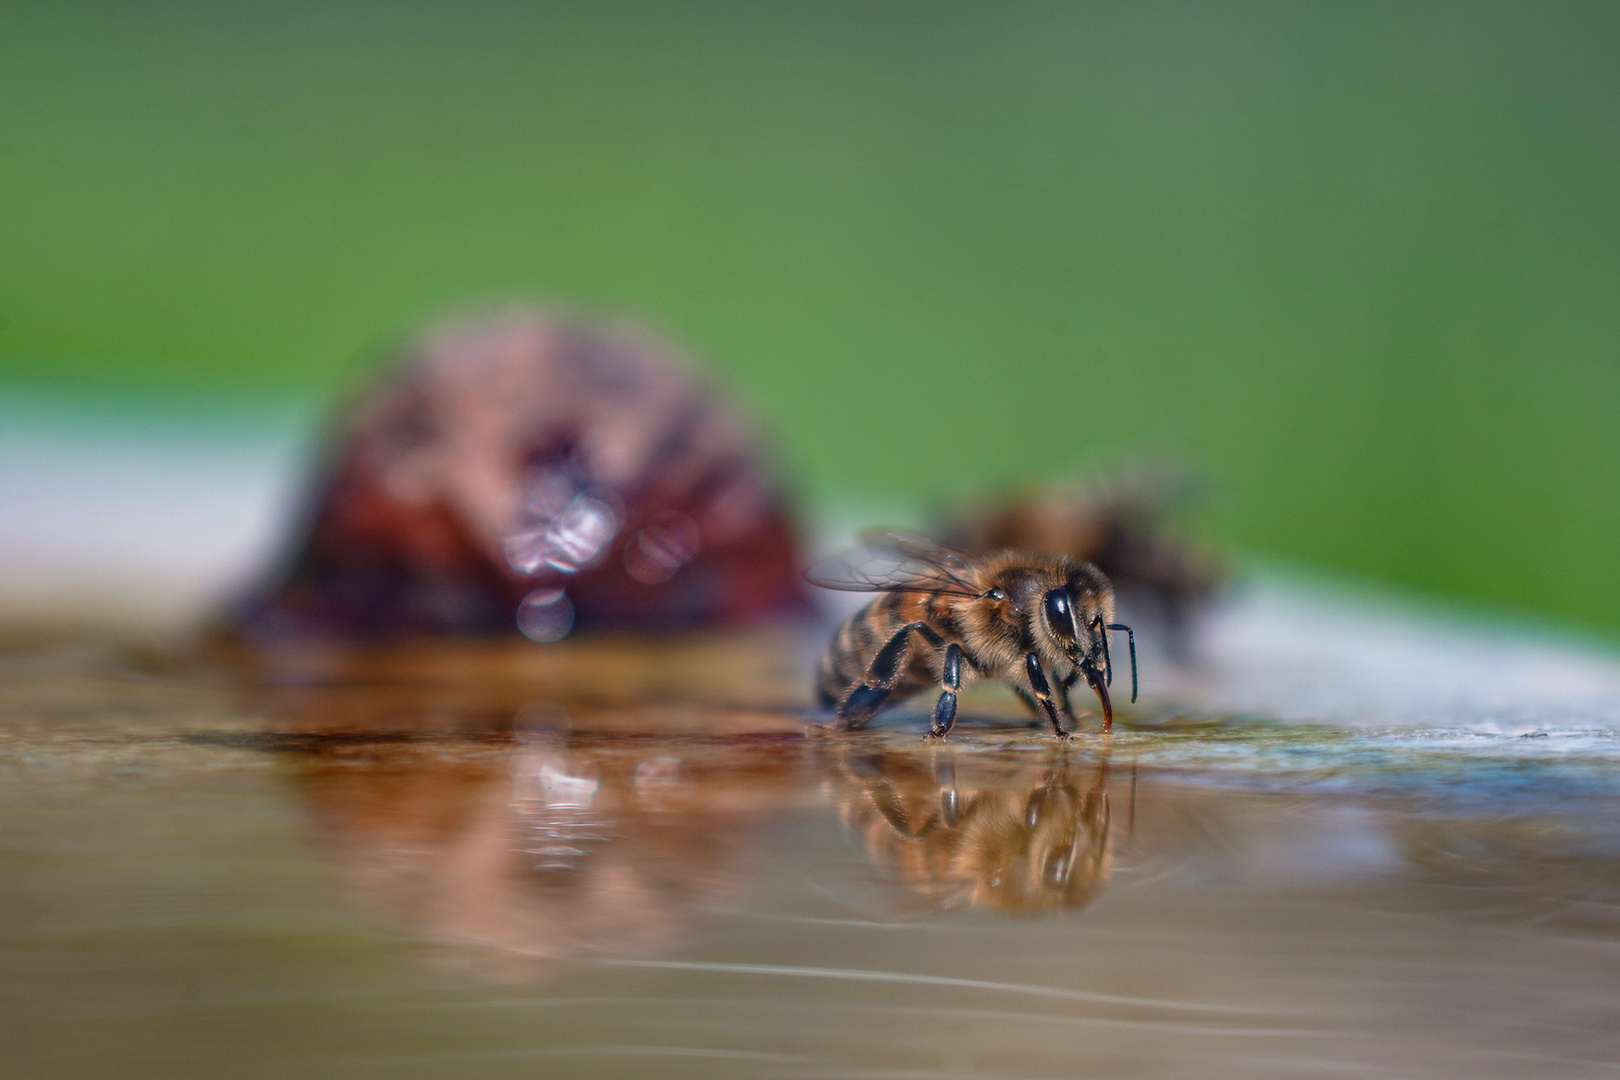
(122, 515)
(1304, 648)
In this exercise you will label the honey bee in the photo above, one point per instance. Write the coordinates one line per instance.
(947, 617)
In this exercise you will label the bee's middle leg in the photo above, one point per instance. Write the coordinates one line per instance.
(945, 710)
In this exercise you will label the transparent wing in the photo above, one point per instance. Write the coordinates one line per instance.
(919, 547)
(896, 562)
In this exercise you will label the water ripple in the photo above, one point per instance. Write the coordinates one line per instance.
(912, 979)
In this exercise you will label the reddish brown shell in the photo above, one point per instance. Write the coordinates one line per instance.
(581, 465)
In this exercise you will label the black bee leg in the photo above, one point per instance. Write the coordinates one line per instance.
(863, 702)
(945, 710)
(1061, 693)
(861, 705)
(1043, 693)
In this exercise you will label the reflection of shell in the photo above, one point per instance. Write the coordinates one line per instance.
(582, 466)
(517, 805)
(536, 853)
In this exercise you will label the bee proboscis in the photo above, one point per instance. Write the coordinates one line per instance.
(948, 617)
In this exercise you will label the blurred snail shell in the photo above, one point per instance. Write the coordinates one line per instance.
(525, 468)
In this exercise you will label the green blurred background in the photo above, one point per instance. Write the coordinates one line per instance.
(1360, 263)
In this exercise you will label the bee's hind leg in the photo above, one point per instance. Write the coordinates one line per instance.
(945, 709)
(863, 702)
(861, 705)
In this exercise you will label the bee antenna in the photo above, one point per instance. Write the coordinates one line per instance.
(1131, 634)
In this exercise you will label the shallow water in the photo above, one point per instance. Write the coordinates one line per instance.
(633, 858)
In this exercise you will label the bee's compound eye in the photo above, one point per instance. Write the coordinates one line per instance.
(1059, 615)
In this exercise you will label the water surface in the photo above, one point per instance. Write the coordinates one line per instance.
(636, 858)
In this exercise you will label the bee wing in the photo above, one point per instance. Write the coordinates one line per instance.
(896, 562)
(918, 547)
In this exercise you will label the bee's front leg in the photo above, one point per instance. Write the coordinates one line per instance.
(1064, 685)
(945, 710)
(1043, 693)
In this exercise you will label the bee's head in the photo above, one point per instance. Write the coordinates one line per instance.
(1074, 612)
(1077, 616)
(1061, 608)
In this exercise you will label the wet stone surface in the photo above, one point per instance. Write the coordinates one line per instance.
(622, 857)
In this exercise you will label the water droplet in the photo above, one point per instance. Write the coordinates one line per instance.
(545, 615)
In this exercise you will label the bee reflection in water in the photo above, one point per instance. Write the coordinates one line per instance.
(1033, 842)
